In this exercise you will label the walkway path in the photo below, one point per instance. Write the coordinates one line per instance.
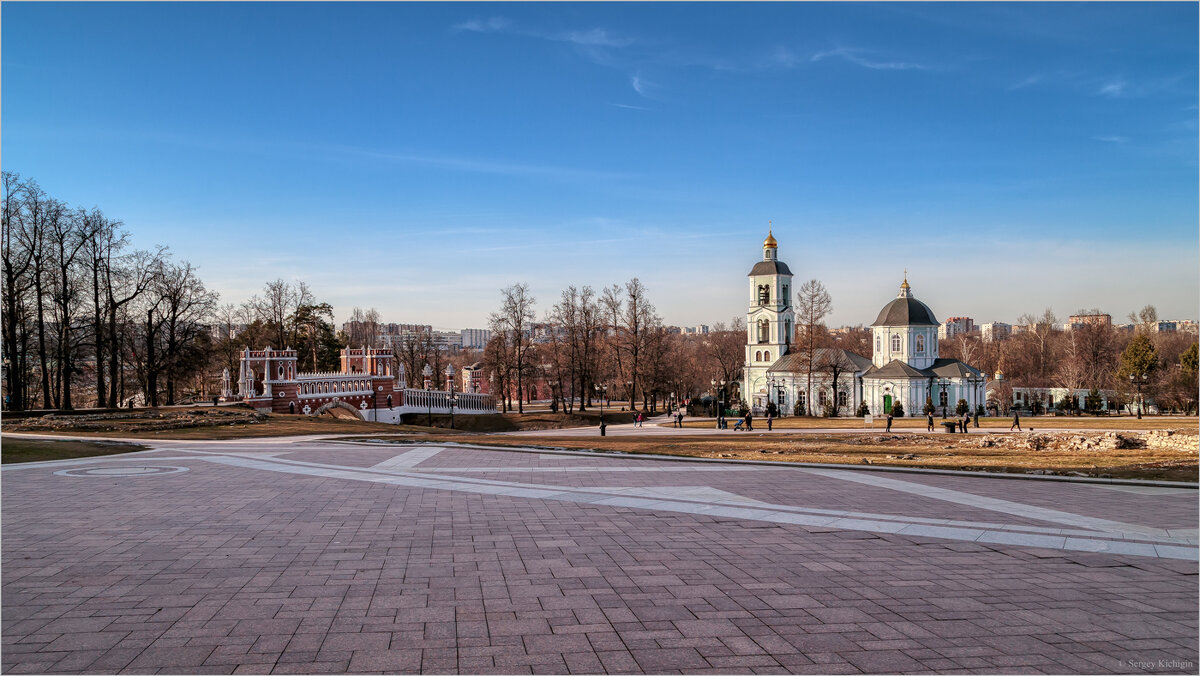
(305, 555)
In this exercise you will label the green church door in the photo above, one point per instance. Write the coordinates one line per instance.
(887, 403)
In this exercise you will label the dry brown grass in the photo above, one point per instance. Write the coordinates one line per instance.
(949, 452)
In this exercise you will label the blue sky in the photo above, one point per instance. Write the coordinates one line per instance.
(417, 157)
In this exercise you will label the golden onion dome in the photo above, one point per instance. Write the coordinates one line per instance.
(769, 242)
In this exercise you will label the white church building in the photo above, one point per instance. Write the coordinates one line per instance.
(904, 368)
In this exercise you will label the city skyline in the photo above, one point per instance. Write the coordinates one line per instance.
(417, 158)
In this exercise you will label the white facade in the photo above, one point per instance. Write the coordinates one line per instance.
(475, 339)
(992, 331)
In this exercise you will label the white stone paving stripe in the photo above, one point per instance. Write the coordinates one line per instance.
(583, 496)
(990, 504)
(1173, 538)
(408, 460)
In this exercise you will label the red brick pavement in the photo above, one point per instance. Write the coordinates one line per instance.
(225, 569)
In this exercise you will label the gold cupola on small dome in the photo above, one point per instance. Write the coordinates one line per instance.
(769, 242)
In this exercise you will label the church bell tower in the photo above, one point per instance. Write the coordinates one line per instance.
(769, 321)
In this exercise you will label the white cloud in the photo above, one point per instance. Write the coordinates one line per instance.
(1113, 88)
(491, 25)
(1111, 139)
(856, 56)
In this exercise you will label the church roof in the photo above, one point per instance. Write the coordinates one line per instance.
(895, 369)
(769, 268)
(952, 368)
(905, 311)
(797, 362)
(942, 368)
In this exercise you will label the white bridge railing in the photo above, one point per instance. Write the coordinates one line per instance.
(439, 401)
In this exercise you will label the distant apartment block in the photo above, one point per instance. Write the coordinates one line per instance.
(955, 326)
(1076, 321)
(475, 339)
(697, 330)
(993, 331)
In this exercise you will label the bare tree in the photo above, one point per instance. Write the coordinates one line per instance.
(813, 304)
(514, 320)
(17, 262)
(724, 349)
(187, 304)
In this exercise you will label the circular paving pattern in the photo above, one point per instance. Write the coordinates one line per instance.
(143, 470)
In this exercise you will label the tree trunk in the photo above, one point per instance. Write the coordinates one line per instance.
(98, 328)
(114, 357)
(41, 324)
(151, 367)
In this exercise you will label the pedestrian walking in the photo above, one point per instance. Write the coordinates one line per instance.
(889, 423)
(637, 422)
(929, 421)
(749, 422)
(769, 419)
(602, 426)
(1016, 422)
(966, 421)
(679, 418)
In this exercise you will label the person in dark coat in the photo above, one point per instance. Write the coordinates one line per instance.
(749, 422)
(889, 423)
(1016, 422)
(929, 421)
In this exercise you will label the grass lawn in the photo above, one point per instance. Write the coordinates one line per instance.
(14, 449)
(948, 452)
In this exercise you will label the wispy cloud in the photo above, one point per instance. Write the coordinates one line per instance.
(594, 37)
(1113, 88)
(492, 25)
(1036, 78)
(642, 86)
(860, 57)
(626, 105)
(1111, 139)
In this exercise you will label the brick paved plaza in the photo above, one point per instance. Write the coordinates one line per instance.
(300, 556)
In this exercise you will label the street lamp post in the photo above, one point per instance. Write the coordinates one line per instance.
(450, 387)
(1138, 379)
(428, 373)
(979, 379)
(942, 382)
(602, 392)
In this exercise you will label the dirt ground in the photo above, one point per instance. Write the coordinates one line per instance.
(909, 450)
(235, 423)
(1027, 423)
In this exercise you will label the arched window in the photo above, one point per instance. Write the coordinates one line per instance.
(801, 398)
(787, 328)
(764, 294)
(943, 398)
(758, 356)
(920, 347)
(842, 398)
(292, 407)
(764, 331)
(389, 401)
(895, 343)
(821, 397)
(877, 347)
(281, 371)
(767, 355)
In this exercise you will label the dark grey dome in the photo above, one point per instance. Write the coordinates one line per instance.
(905, 311)
(769, 268)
